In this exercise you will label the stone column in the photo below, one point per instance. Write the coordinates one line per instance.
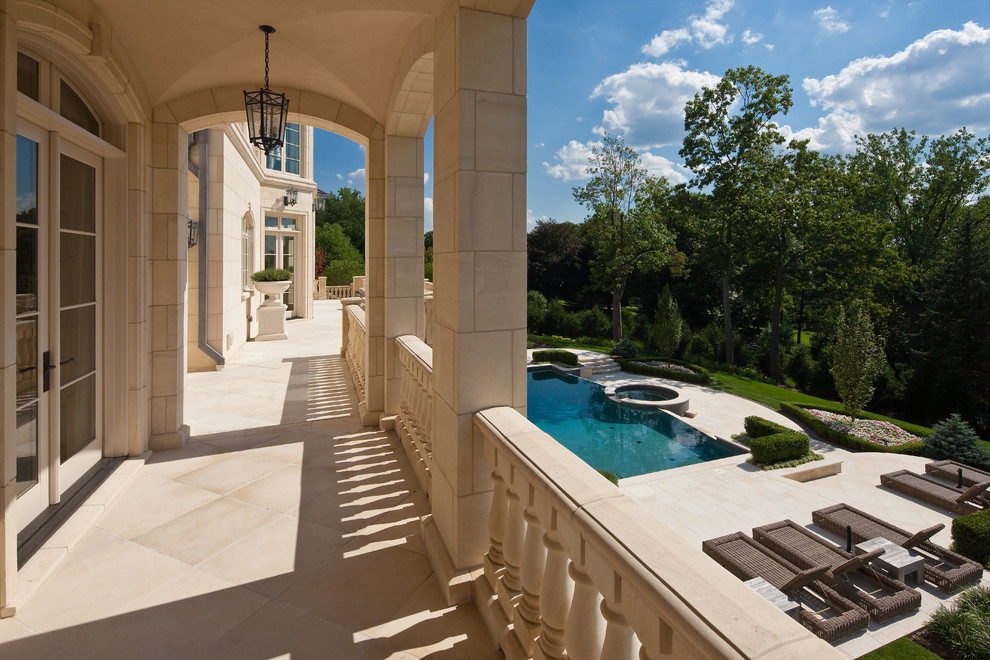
(169, 278)
(8, 310)
(403, 254)
(371, 409)
(479, 333)
(138, 223)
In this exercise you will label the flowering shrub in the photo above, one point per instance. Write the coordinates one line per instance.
(661, 364)
(883, 434)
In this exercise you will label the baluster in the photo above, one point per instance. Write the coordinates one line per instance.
(494, 561)
(527, 613)
(555, 599)
(620, 640)
(585, 625)
(510, 585)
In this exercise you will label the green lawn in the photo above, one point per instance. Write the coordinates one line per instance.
(768, 395)
(900, 649)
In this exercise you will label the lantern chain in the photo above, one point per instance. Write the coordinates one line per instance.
(266, 60)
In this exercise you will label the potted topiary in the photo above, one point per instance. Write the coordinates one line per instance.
(272, 282)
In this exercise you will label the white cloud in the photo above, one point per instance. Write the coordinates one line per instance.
(572, 165)
(829, 19)
(749, 37)
(572, 161)
(540, 145)
(426, 178)
(355, 179)
(648, 100)
(666, 40)
(936, 85)
(663, 167)
(340, 177)
(706, 30)
(427, 214)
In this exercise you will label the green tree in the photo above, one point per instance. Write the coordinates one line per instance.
(626, 228)
(555, 258)
(730, 140)
(345, 208)
(668, 328)
(855, 358)
(335, 244)
(953, 345)
(952, 439)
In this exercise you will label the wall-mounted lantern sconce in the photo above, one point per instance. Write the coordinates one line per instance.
(291, 197)
(193, 236)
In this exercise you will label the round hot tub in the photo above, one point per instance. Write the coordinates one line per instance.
(646, 395)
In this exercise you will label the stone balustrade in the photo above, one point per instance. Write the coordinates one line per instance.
(354, 349)
(578, 570)
(339, 292)
(414, 423)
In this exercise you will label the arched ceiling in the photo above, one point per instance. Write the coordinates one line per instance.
(343, 49)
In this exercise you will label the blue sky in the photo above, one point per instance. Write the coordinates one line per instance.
(628, 67)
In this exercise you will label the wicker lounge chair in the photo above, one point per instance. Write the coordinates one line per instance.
(853, 577)
(949, 470)
(944, 568)
(824, 611)
(931, 490)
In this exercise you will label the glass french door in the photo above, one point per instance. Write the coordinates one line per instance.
(58, 318)
(280, 252)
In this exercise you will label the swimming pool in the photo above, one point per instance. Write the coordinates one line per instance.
(607, 435)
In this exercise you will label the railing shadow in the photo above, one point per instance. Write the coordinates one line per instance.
(358, 584)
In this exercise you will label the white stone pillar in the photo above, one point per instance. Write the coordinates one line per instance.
(371, 409)
(8, 310)
(479, 333)
(403, 254)
(138, 329)
(169, 278)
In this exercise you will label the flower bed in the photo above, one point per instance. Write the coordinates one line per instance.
(883, 434)
(663, 364)
(671, 369)
(871, 433)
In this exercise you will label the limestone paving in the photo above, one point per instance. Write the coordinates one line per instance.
(283, 528)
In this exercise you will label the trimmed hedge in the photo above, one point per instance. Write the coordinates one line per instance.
(700, 378)
(757, 427)
(561, 357)
(971, 535)
(778, 447)
(798, 412)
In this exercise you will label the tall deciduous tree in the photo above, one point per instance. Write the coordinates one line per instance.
(345, 208)
(626, 228)
(555, 255)
(855, 357)
(730, 138)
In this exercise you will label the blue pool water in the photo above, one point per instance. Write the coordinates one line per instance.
(624, 440)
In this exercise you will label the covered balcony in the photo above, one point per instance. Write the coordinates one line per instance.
(278, 512)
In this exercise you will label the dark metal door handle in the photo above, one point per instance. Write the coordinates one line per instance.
(67, 361)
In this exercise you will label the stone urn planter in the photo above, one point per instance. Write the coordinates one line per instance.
(271, 314)
(273, 291)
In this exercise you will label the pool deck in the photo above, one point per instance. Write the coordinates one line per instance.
(719, 497)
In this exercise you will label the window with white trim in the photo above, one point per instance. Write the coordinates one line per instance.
(247, 252)
(288, 159)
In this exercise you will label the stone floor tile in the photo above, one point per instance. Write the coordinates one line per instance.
(88, 591)
(207, 530)
(280, 630)
(275, 556)
(362, 590)
(425, 627)
(230, 472)
(150, 502)
(176, 619)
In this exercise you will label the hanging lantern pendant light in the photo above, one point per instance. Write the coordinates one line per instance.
(266, 110)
